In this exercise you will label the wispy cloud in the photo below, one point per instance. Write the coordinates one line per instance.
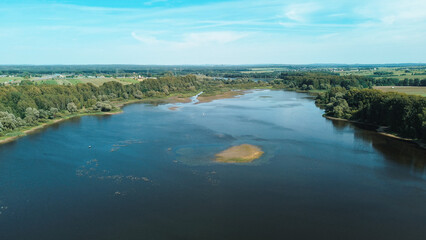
(193, 39)
(150, 40)
(394, 11)
(301, 12)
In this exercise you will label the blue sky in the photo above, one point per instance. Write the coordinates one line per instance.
(212, 32)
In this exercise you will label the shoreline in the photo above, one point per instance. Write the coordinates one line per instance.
(381, 131)
(183, 98)
(23, 133)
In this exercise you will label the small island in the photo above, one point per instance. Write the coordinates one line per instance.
(174, 108)
(244, 153)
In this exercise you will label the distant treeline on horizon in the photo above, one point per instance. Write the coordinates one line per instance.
(182, 69)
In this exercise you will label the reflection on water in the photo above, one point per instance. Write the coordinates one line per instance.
(150, 174)
(394, 150)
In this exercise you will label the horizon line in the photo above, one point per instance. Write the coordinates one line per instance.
(219, 64)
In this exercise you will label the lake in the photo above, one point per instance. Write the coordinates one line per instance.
(150, 174)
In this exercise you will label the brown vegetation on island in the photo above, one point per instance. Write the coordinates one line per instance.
(239, 154)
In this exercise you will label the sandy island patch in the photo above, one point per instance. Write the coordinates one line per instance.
(239, 154)
(178, 99)
(174, 108)
(229, 94)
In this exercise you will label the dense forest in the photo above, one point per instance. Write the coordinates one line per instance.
(403, 114)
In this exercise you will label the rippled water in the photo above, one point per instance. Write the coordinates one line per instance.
(150, 174)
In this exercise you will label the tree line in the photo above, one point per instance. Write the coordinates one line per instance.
(325, 81)
(320, 81)
(403, 114)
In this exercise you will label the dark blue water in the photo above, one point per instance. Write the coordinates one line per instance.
(150, 174)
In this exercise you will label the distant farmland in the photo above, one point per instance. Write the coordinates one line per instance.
(420, 91)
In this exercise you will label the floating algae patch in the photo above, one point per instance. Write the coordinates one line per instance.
(125, 143)
(91, 170)
(197, 154)
(244, 153)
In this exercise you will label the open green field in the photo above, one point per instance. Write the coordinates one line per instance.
(388, 72)
(8, 79)
(264, 70)
(100, 81)
(420, 91)
(401, 73)
(48, 82)
(402, 77)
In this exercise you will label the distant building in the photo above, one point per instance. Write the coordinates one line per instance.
(140, 78)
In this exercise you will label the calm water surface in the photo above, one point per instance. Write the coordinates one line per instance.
(150, 174)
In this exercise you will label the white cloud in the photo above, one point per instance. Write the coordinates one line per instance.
(194, 39)
(301, 12)
(145, 39)
(394, 11)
